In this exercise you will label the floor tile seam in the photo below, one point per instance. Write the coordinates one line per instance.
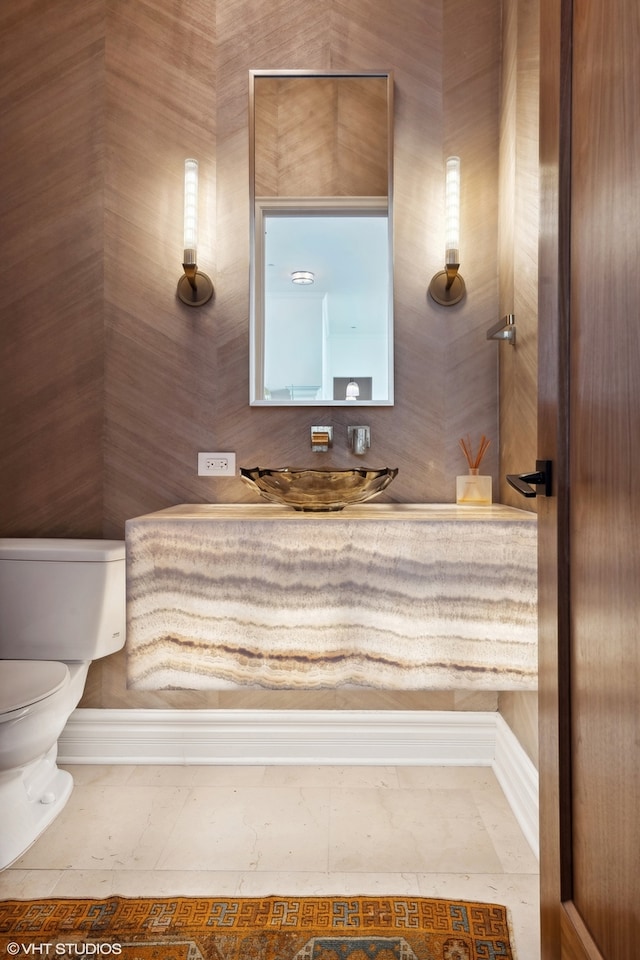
(107, 871)
(427, 774)
(508, 842)
(510, 860)
(519, 872)
(490, 837)
(253, 874)
(102, 772)
(86, 792)
(168, 815)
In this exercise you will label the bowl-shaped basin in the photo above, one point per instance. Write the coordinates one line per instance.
(318, 490)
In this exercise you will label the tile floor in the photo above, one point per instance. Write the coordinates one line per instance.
(252, 831)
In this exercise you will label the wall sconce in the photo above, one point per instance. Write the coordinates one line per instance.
(194, 287)
(447, 287)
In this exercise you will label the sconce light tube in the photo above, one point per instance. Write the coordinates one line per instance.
(190, 210)
(452, 211)
(194, 287)
(447, 287)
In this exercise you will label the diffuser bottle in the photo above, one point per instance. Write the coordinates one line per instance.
(472, 488)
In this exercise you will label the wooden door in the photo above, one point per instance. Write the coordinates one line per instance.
(589, 425)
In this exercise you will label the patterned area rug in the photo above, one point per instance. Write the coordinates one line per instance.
(267, 928)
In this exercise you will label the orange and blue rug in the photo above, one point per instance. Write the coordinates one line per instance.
(256, 928)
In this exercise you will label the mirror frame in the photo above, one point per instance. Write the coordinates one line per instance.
(310, 205)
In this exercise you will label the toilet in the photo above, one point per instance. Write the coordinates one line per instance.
(62, 605)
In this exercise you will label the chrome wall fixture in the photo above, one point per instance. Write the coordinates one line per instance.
(359, 439)
(194, 287)
(504, 329)
(321, 439)
(447, 287)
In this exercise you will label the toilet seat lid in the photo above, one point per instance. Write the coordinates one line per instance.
(23, 682)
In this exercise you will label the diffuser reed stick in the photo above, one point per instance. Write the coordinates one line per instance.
(474, 461)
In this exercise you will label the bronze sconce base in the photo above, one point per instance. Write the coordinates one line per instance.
(447, 289)
(194, 288)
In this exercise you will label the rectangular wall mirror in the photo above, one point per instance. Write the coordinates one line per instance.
(321, 238)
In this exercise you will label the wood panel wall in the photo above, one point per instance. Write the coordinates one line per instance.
(321, 136)
(518, 243)
(518, 284)
(105, 371)
(126, 91)
(52, 341)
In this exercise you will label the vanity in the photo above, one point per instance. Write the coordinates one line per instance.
(394, 596)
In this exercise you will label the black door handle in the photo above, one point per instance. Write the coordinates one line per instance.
(541, 478)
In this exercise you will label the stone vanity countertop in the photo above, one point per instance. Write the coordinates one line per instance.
(360, 511)
(396, 596)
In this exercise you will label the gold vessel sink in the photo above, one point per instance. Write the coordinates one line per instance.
(317, 490)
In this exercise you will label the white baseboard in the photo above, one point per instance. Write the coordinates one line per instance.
(518, 778)
(279, 737)
(345, 737)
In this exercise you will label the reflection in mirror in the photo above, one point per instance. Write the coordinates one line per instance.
(321, 278)
(322, 272)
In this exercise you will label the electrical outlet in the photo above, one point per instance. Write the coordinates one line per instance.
(216, 464)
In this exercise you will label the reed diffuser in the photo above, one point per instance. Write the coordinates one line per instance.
(473, 488)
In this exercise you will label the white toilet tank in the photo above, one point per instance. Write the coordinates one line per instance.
(61, 599)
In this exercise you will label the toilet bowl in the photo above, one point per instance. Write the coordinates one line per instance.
(34, 707)
(36, 699)
(62, 599)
